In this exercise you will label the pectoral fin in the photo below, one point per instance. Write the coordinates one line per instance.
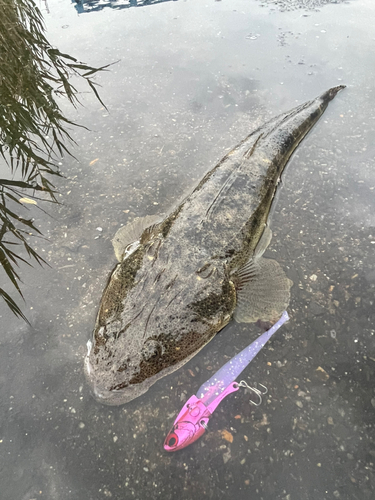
(131, 233)
(263, 291)
(264, 242)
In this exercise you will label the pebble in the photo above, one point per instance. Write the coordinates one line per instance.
(227, 456)
(321, 373)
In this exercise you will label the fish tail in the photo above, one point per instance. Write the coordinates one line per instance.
(331, 93)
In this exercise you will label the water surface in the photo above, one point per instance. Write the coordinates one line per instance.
(193, 79)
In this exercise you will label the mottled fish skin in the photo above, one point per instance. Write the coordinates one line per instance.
(176, 290)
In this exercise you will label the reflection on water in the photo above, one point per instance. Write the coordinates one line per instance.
(83, 6)
(287, 5)
(33, 130)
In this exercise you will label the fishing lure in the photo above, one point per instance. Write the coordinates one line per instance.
(192, 420)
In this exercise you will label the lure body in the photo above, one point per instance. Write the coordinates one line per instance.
(194, 416)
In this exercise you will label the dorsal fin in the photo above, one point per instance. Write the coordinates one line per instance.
(132, 232)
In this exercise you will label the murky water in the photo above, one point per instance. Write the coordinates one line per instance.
(193, 78)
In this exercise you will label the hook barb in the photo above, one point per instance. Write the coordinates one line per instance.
(258, 392)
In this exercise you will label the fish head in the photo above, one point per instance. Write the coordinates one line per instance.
(121, 369)
(152, 328)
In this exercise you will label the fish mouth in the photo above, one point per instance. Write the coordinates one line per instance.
(112, 397)
(115, 397)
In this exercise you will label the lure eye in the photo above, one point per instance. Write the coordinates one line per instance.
(172, 441)
(151, 351)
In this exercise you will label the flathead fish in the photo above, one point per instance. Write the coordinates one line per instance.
(181, 279)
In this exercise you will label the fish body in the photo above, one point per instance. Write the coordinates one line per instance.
(181, 279)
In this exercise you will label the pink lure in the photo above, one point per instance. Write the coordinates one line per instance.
(192, 421)
(193, 418)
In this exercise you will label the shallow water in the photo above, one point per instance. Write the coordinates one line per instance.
(193, 79)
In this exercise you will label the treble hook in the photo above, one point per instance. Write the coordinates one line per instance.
(258, 392)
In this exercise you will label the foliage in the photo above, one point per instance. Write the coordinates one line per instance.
(33, 130)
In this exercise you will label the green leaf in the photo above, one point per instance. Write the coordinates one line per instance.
(13, 306)
(33, 130)
(92, 85)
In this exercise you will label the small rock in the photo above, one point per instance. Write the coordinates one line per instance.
(316, 309)
(227, 436)
(321, 374)
(227, 456)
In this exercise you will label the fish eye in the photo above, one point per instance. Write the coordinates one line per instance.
(151, 351)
